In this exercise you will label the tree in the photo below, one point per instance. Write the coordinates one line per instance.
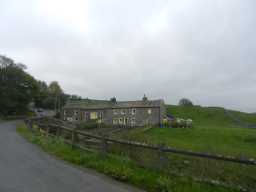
(144, 98)
(17, 87)
(50, 97)
(55, 91)
(42, 94)
(113, 99)
(185, 102)
(54, 88)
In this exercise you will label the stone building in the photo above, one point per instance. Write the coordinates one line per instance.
(116, 113)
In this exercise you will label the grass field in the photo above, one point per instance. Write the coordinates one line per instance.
(213, 132)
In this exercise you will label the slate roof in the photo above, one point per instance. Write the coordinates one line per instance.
(104, 104)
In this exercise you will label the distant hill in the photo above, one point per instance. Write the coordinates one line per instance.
(213, 115)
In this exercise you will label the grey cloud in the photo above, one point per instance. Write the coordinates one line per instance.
(202, 49)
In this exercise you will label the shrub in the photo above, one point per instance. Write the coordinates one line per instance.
(163, 184)
(91, 124)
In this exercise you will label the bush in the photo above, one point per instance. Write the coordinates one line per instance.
(163, 184)
(91, 124)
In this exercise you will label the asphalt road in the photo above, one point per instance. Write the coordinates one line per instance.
(26, 168)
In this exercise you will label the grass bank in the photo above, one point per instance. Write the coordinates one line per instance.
(118, 167)
(213, 132)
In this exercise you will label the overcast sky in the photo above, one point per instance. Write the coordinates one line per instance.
(204, 50)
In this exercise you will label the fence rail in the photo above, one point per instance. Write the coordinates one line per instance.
(59, 126)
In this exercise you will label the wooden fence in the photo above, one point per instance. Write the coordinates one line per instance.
(56, 127)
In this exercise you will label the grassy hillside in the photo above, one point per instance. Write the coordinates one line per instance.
(213, 115)
(213, 132)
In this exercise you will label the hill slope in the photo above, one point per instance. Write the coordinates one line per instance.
(211, 115)
(213, 132)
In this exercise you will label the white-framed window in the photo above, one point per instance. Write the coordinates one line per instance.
(100, 114)
(133, 121)
(76, 112)
(122, 112)
(115, 111)
(115, 121)
(126, 120)
(99, 121)
(69, 119)
(120, 121)
(133, 111)
(149, 111)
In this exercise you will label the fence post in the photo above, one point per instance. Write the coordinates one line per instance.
(162, 161)
(29, 124)
(104, 145)
(58, 131)
(73, 134)
(47, 130)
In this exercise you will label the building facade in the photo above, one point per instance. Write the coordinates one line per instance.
(124, 113)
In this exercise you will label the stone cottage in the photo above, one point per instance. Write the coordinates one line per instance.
(116, 113)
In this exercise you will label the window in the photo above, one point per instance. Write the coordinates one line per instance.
(75, 112)
(133, 111)
(76, 119)
(115, 121)
(99, 121)
(100, 114)
(120, 121)
(86, 115)
(69, 119)
(133, 121)
(115, 111)
(149, 111)
(123, 112)
(93, 115)
(126, 120)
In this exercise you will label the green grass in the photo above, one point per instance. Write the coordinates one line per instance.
(249, 118)
(213, 132)
(118, 167)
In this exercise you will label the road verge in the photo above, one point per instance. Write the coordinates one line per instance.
(118, 167)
